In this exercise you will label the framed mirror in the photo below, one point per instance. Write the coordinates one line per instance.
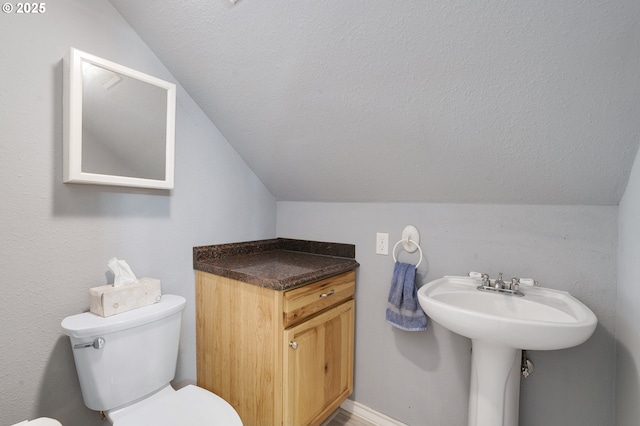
(119, 125)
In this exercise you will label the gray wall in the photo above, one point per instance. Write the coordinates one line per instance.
(628, 304)
(56, 238)
(423, 378)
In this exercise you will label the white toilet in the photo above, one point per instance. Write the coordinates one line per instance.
(126, 362)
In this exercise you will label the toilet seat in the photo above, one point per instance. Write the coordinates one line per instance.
(190, 405)
(42, 421)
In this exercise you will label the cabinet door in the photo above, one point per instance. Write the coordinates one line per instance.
(318, 365)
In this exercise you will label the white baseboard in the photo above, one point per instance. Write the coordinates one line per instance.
(369, 414)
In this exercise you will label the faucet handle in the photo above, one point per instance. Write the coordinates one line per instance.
(486, 281)
(528, 281)
(515, 284)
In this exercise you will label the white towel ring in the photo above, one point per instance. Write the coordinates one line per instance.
(407, 241)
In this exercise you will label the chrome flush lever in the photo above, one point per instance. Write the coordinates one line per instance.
(98, 343)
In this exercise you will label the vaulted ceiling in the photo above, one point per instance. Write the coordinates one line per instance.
(479, 101)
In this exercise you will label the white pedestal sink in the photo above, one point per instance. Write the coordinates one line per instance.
(499, 326)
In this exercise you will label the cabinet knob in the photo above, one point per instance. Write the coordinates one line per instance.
(293, 345)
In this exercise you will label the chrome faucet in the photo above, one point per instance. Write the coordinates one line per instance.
(499, 284)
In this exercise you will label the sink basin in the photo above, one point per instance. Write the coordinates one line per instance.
(501, 325)
(543, 319)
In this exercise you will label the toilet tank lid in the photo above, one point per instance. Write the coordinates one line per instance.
(89, 324)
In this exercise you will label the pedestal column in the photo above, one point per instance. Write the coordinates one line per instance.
(494, 397)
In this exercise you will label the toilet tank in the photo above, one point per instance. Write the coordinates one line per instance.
(138, 356)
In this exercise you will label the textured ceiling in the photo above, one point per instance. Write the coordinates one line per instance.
(479, 101)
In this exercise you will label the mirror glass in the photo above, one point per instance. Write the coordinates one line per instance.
(120, 125)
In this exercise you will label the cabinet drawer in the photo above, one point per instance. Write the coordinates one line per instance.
(305, 301)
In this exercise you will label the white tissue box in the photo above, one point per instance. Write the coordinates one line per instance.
(108, 300)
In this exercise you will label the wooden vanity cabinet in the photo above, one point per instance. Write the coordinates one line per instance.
(278, 357)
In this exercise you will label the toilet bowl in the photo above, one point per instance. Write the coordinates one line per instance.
(125, 364)
(42, 421)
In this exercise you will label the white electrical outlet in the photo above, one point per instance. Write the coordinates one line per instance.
(382, 243)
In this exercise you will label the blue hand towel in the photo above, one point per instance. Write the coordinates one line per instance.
(403, 309)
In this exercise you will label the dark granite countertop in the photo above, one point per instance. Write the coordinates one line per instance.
(279, 263)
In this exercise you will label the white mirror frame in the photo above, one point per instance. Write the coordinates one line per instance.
(72, 137)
